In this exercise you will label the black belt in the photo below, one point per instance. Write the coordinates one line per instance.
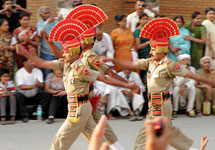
(83, 98)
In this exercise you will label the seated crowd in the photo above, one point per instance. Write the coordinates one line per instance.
(194, 49)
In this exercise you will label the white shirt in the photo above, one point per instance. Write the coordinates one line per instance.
(133, 19)
(23, 77)
(179, 80)
(133, 77)
(104, 47)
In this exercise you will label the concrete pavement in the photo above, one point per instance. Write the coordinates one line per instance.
(38, 135)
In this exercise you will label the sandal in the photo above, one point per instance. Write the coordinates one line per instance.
(132, 117)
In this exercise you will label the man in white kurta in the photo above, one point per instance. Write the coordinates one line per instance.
(103, 45)
(137, 100)
(184, 90)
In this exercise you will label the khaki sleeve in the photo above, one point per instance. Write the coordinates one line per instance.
(87, 74)
(176, 70)
(95, 63)
(58, 65)
(143, 64)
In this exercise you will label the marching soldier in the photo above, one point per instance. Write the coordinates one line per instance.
(160, 75)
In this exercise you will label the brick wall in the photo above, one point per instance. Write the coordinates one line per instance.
(110, 7)
(34, 5)
(172, 8)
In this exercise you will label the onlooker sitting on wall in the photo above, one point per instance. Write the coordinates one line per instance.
(184, 90)
(11, 12)
(136, 100)
(7, 92)
(54, 85)
(141, 7)
(27, 36)
(6, 50)
(103, 45)
(178, 45)
(29, 79)
(197, 38)
(47, 22)
(205, 92)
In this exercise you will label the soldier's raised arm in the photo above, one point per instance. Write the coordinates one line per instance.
(37, 60)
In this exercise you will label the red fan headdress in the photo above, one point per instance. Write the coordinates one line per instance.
(67, 30)
(159, 31)
(88, 36)
(90, 15)
(73, 46)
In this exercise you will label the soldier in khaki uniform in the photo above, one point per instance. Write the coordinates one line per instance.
(92, 60)
(160, 75)
(77, 79)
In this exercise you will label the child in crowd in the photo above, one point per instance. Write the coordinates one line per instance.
(7, 92)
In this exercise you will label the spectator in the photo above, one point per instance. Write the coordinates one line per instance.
(47, 22)
(77, 3)
(7, 92)
(103, 45)
(123, 41)
(6, 51)
(141, 7)
(210, 27)
(178, 45)
(205, 92)
(142, 44)
(29, 79)
(197, 38)
(136, 100)
(27, 36)
(54, 86)
(11, 12)
(184, 88)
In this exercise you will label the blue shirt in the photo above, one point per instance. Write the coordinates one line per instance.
(179, 41)
(44, 25)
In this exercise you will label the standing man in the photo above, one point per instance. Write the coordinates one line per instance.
(103, 45)
(47, 22)
(11, 13)
(161, 72)
(140, 7)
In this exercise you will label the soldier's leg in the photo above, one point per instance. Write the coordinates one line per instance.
(141, 137)
(178, 140)
(109, 134)
(199, 100)
(69, 131)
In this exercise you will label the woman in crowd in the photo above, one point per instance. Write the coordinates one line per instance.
(27, 36)
(54, 86)
(123, 41)
(197, 38)
(205, 92)
(142, 44)
(210, 27)
(178, 45)
(6, 50)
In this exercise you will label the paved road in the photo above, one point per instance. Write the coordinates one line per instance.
(38, 135)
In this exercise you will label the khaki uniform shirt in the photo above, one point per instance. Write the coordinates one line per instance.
(160, 75)
(76, 76)
(91, 59)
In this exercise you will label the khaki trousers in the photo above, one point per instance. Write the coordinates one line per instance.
(109, 134)
(70, 131)
(200, 94)
(178, 140)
